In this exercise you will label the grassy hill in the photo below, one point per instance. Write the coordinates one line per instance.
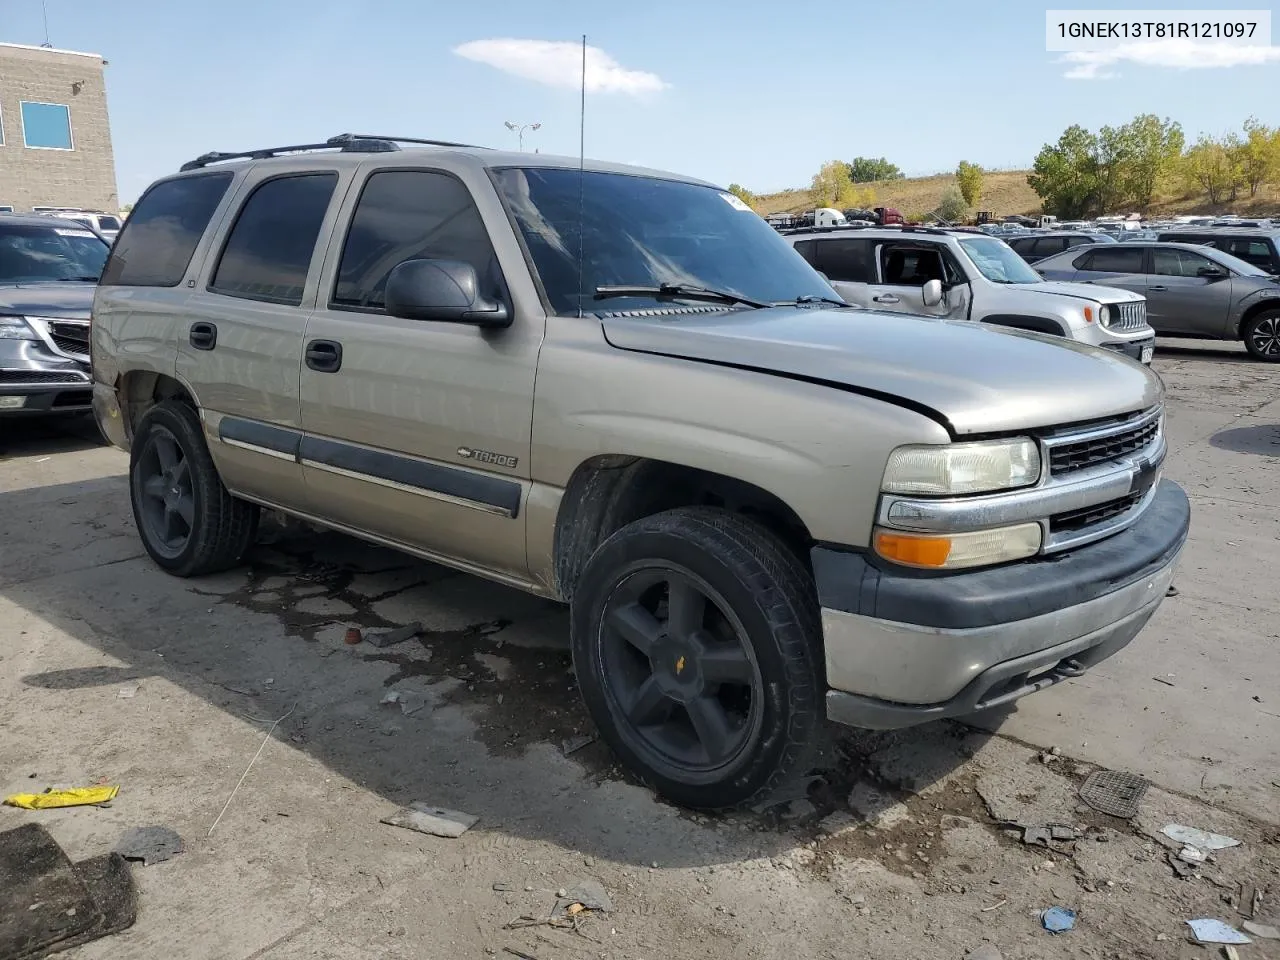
(1004, 192)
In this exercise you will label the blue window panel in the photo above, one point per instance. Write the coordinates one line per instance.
(46, 125)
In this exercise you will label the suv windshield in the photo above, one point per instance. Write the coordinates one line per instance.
(997, 262)
(30, 253)
(645, 231)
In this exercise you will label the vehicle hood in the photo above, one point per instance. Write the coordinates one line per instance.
(71, 300)
(972, 378)
(1081, 291)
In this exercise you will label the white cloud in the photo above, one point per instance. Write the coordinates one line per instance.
(559, 64)
(1180, 54)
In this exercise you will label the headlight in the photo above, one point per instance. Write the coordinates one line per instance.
(1104, 315)
(959, 468)
(958, 550)
(16, 328)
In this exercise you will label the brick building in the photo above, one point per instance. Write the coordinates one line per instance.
(55, 139)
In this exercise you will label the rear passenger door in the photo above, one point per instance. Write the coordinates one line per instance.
(846, 261)
(245, 323)
(1180, 300)
(1114, 265)
(418, 431)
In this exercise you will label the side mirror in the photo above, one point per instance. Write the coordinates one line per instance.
(1212, 273)
(932, 293)
(445, 290)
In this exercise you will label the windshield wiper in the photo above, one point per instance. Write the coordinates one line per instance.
(676, 291)
(84, 279)
(813, 298)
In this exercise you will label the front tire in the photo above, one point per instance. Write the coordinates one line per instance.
(1262, 336)
(697, 645)
(188, 522)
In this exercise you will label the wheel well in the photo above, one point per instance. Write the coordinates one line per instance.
(606, 493)
(142, 390)
(1035, 324)
(1253, 311)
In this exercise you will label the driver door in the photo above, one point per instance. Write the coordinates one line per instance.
(904, 267)
(1180, 299)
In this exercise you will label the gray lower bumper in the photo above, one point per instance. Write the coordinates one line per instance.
(902, 649)
(911, 662)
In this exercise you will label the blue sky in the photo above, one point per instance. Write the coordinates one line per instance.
(754, 92)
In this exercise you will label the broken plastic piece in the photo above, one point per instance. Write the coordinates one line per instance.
(1263, 930)
(1058, 919)
(1192, 854)
(1215, 931)
(574, 744)
(392, 637)
(352, 636)
(437, 821)
(149, 844)
(72, 797)
(1114, 792)
(1201, 839)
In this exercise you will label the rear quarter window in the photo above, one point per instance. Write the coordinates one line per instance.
(156, 245)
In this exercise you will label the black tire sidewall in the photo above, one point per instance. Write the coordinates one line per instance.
(184, 424)
(1248, 334)
(722, 564)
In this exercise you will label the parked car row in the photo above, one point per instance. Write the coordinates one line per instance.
(621, 389)
(1192, 290)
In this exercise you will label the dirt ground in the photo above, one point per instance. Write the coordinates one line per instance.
(903, 845)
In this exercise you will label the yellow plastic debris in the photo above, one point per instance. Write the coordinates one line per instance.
(73, 797)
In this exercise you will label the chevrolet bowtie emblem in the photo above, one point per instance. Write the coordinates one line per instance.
(680, 666)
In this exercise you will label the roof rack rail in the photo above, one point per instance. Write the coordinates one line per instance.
(838, 228)
(345, 144)
(343, 138)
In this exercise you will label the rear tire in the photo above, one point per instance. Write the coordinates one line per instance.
(188, 522)
(1261, 336)
(697, 645)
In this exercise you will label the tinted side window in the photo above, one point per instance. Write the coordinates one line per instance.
(410, 215)
(154, 249)
(1022, 244)
(1084, 261)
(1117, 258)
(847, 260)
(1178, 263)
(1255, 252)
(1048, 246)
(805, 249)
(268, 252)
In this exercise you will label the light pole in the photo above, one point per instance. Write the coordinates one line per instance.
(520, 128)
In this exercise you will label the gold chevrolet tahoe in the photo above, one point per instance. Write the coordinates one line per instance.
(621, 389)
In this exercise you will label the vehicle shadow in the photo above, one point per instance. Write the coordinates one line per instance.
(1220, 351)
(486, 719)
(43, 436)
(1263, 440)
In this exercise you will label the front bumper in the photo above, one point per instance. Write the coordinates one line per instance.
(34, 381)
(1134, 349)
(905, 648)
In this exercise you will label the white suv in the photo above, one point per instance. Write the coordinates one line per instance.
(971, 276)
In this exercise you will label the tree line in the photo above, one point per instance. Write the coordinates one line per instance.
(1125, 168)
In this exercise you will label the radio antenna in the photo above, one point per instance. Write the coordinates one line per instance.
(582, 163)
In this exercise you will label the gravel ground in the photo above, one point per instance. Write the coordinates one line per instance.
(903, 846)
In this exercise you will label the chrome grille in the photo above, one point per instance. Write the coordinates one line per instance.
(1130, 315)
(41, 376)
(1102, 445)
(70, 336)
(1099, 513)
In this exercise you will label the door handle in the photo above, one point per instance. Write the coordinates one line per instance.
(324, 356)
(203, 336)
(886, 298)
(1157, 288)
